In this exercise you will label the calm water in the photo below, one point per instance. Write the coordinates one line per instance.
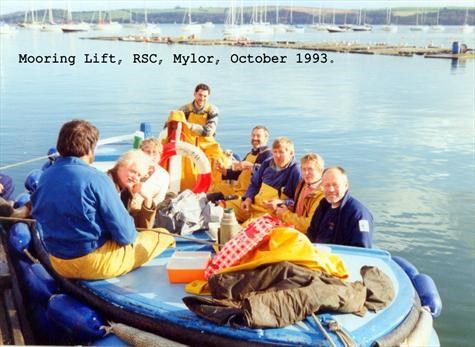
(402, 127)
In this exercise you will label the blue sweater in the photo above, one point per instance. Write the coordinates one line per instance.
(283, 180)
(352, 224)
(78, 209)
(8, 187)
(263, 153)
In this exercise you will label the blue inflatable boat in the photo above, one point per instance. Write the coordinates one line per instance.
(72, 312)
(145, 299)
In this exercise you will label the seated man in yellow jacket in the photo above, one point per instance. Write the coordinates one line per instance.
(307, 195)
(277, 178)
(236, 179)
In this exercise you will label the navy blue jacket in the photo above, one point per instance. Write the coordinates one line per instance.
(8, 187)
(354, 225)
(263, 153)
(283, 180)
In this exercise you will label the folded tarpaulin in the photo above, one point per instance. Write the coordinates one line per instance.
(281, 294)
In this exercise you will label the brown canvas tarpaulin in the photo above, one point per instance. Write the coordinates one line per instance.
(281, 294)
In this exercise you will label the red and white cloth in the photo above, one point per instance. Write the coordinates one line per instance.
(241, 244)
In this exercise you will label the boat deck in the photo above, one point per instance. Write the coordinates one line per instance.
(156, 298)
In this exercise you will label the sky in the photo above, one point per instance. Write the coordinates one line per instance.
(8, 6)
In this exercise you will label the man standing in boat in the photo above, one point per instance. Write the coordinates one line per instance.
(86, 229)
(340, 218)
(200, 130)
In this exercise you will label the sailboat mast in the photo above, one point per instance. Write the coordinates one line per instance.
(242, 12)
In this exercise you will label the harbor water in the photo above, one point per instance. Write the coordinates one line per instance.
(403, 127)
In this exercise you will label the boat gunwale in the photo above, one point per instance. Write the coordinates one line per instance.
(182, 328)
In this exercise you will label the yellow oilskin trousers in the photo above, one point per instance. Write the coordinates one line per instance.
(257, 208)
(241, 215)
(112, 260)
(240, 186)
(265, 194)
(244, 179)
(207, 144)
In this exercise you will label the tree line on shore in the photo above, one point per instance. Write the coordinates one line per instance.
(301, 15)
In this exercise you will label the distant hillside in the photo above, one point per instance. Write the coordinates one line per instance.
(300, 15)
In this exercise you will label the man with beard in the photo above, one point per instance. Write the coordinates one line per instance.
(237, 178)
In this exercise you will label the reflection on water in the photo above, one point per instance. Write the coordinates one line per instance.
(402, 127)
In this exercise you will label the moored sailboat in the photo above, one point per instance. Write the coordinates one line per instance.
(389, 27)
(188, 25)
(418, 27)
(466, 28)
(437, 27)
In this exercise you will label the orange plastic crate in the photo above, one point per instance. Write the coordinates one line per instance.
(185, 267)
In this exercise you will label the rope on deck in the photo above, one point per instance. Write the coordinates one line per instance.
(139, 338)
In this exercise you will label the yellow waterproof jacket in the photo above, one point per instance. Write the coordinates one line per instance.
(311, 202)
(200, 118)
(207, 144)
(244, 178)
(237, 182)
(283, 244)
(288, 244)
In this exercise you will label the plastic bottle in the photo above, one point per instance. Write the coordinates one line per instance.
(229, 226)
(138, 138)
(146, 128)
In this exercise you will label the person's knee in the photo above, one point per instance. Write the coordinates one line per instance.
(151, 239)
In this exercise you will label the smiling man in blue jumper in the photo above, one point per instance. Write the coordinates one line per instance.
(340, 218)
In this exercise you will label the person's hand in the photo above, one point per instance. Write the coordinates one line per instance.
(146, 194)
(281, 209)
(246, 204)
(272, 204)
(245, 165)
(186, 124)
(1, 188)
(220, 168)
